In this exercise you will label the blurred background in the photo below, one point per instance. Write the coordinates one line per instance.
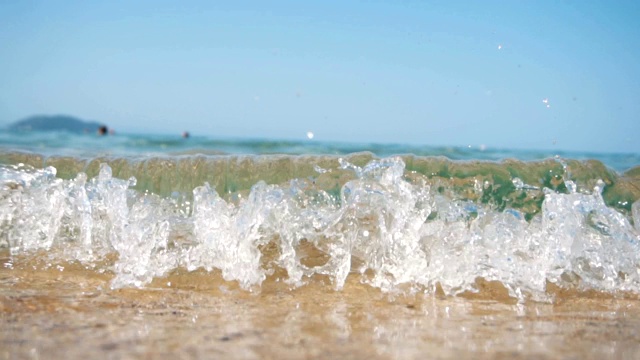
(560, 75)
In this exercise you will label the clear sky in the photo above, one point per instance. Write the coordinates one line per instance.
(514, 74)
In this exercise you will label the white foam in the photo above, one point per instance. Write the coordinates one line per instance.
(401, 232)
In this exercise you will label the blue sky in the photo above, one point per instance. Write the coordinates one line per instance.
(419, 72)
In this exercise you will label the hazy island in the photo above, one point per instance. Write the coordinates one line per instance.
(55, 123)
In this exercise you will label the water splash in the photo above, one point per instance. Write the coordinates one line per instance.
(395, 230)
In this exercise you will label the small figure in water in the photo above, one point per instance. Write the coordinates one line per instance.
(103, 130)
(185, 135)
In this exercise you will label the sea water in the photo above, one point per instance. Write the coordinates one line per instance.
(421, 221)
(90, 145)
(131, 246)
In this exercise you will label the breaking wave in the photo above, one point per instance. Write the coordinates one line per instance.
(400, 224)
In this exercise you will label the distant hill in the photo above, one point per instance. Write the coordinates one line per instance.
(54, 123)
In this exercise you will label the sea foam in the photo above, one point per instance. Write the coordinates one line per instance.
(393, 229)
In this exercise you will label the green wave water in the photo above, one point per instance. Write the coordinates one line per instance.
(233, 174)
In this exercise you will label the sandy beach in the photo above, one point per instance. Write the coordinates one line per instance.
(66, 311)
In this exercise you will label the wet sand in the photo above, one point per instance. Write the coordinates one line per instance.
(66, 311)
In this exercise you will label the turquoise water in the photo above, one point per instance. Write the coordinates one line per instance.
(52, 143)
(400, 218)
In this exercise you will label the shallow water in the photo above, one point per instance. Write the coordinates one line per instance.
(317, 256)
(408, 225)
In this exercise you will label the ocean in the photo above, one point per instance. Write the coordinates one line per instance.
(311, 249)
